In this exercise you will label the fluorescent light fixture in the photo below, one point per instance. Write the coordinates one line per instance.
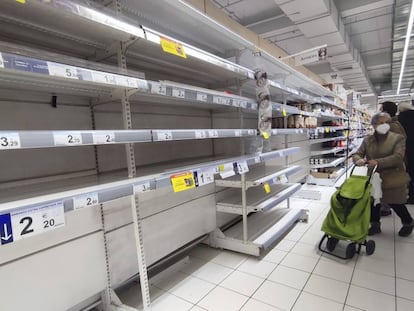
(368, 95)
(407, 43)
(394, 95)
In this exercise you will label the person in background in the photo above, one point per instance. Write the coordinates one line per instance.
(396, 127)
(385, 150)
(406, 118)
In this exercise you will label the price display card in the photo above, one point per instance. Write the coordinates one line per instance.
(182, 182)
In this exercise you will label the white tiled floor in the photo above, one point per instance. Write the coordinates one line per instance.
(294, 275)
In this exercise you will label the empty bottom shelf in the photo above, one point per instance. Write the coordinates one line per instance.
(263, 230)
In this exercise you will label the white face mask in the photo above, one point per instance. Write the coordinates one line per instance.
(383, 128)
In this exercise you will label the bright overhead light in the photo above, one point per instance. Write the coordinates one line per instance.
(407, 42)
(368, 95)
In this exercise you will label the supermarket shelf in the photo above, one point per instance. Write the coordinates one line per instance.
(111, 186)
(263, 230)
(328, 151)
(331, 164)
(322, 140)
(258, 176)
(289, 131)
(257, 199)
(294, 110)
(329, 182)
(329, 129)
(50, 139)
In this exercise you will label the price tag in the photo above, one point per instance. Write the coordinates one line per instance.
(284, 112)
(237, 133)
(103, 138)
(200, 134)
(180, 93)
(1, 61)
(213, 134)
(182, 182)
(257, 160)
(140, 188)
(266, 188)
(67, 138)
(121, 80)
(252, 132)
(242, 167)
(21, 1)
(61, 70)
(172, 47)
(202, 97)
(204, 177)
(9, 141)
(133, 83)
(164, 135)
(243, 104)
(27, 222)
(226, 170)
(158, 88)
(266, 135)
(87, 200)
(283, 179)
(326, 129)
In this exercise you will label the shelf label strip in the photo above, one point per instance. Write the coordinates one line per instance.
(86, 200)
(67, 138)
(104, 138)
(27, 222)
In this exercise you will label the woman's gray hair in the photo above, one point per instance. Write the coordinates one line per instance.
(378, 116)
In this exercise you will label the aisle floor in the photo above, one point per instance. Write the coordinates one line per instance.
(294, 275)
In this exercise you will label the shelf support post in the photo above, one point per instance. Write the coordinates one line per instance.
(244, 206)
(127, 120)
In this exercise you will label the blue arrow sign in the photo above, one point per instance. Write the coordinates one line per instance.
(6, 232)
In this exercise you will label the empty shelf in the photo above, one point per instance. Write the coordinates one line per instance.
(257, 199)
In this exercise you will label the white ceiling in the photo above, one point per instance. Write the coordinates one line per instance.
(367, 22)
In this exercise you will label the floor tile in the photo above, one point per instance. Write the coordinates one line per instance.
(255, 305)
(309, 302)
(207, 271)
(376, 265)
(204, 252)
(299, 262)
(168, 302)
(197, 308)
(229, 259)
(290, 277)
(374, 281)
(242, 283)
(370, 300)
(405, 305)
(349, 308)
(275, 256)
(334, 270)
(256, 267)
(306, 250)
(293, 236)
(285, 245)
(405, 289)
(277, 295)
(222, 299)
(301, 227)
(405, 271)
(327, 288)
(186, 287)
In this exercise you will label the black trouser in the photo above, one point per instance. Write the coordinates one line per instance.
(399, 209)
(410, 171)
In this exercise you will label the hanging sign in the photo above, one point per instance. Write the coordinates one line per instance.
(311, 57)
(172, 47)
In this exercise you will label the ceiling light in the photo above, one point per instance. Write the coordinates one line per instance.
(407, 42)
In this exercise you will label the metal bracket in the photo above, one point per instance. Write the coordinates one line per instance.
(115, 96)
(112, 50)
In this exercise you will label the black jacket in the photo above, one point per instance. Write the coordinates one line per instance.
(406, 119)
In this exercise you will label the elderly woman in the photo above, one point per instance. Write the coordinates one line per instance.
(385, 150)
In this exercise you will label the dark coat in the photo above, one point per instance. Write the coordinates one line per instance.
(406, 119)
(389, 153)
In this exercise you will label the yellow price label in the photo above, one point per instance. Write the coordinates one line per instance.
(21, 1)
(221, 167)
(284, 112)
(182, 182)
(172, 47)
(266, 187)
(266, 135)
(326, 129)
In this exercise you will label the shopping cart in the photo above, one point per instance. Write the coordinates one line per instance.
(349, 216)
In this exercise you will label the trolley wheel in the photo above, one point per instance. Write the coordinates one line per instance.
(350, 250)
(331, 244)
(370, 247)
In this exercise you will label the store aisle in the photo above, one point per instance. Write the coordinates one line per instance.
(293, 275)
